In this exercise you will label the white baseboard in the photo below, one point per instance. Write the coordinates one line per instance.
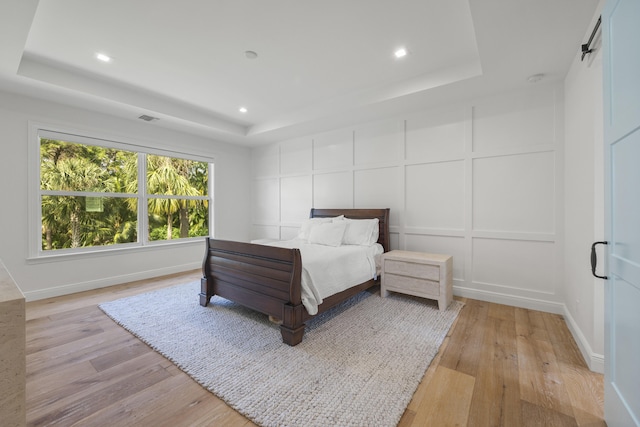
(108, 281)
(513, 300)
(595, 361)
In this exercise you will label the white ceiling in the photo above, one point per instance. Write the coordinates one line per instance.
(321, 64)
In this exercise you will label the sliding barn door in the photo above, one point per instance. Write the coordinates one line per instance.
(621, 38)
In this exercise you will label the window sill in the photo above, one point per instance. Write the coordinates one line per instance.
(113, 251)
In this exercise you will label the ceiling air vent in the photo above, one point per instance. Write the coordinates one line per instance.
(148, 118)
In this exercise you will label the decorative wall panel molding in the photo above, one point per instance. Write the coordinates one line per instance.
(480, 181)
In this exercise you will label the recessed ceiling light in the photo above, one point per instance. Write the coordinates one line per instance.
(402, 52)
(242, 110)
(102, 57)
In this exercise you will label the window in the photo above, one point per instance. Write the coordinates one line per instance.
(95, 193)
(176, 198)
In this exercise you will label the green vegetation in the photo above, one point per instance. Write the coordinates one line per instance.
(71, 220)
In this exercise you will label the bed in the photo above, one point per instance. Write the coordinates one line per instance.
(268, 278)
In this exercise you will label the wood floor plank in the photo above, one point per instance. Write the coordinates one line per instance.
(79, 351)
(67, 392)
(408, 417)
(585, 388)
(42, 324)
(131, 411)
(536, 416)
(496, 395)
(503, 312)
(207, 410)
(463, 351)
(498, 365)
(564, 345)
(541, 382)
(59, 331)
(59, 337)
(40, 384)
(440, 408)
(530, 323)
(80, 405)
(119, 355)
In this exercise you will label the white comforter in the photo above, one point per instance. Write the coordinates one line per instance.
(327, 270)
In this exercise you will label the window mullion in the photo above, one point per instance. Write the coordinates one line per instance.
(143, 204)
(85, 194)
(211, 194)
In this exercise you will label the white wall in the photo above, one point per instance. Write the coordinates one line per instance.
(584, 204)
(482, 181)
(62, 275)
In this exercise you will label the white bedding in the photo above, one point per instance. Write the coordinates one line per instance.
(327, 270)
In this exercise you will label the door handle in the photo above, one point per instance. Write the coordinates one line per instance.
(594, 259)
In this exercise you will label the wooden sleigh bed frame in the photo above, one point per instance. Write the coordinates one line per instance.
(267, 278)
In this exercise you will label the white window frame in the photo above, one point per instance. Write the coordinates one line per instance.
(38, 131)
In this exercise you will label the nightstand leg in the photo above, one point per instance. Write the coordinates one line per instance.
(443, 305)
(383, 292)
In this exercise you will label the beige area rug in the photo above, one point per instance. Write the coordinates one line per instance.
(358, 364)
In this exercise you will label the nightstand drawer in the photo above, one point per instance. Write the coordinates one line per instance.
(421, 286)
(430, 272)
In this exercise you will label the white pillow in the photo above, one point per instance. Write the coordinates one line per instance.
(328, 233)
(307, 225)
(363, 232)
(305, 229)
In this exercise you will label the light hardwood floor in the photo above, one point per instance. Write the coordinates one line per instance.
(499, 366)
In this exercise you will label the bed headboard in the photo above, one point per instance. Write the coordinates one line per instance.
(381, 214)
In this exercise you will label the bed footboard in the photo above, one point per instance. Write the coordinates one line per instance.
(263, 278)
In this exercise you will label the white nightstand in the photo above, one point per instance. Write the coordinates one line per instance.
(420, 274)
